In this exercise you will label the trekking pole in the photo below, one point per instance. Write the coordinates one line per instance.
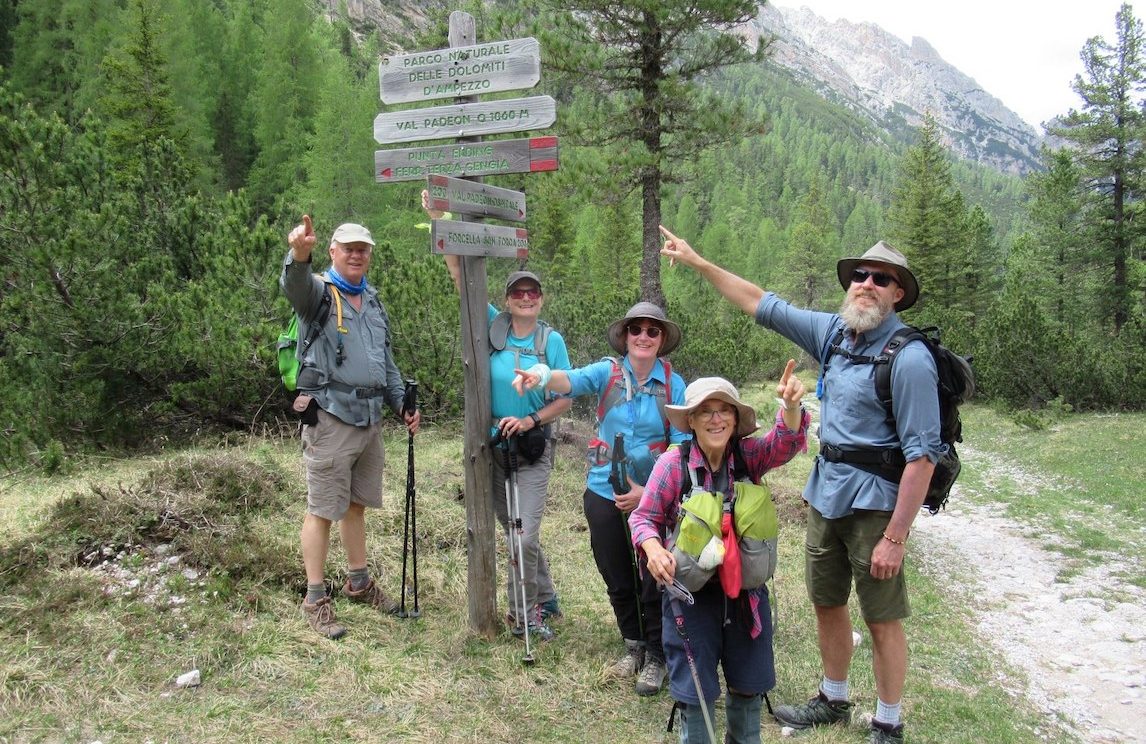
(514, 532)
(619, 480)
(409, 405)
(679, 594)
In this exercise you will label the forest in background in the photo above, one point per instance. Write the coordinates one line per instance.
(153, 156)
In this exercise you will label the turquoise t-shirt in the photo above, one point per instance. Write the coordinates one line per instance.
(504, 399)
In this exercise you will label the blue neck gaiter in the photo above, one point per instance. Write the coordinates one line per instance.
(345, 286)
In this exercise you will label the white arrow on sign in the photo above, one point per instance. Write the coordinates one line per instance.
(454, 238)
(468, 197)
(466, 120)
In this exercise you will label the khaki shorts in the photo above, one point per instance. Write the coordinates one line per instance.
(838, 552)
(343, 466)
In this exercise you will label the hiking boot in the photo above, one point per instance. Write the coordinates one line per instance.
(816, 712)
(629, 664)
(372, 595)
(320, 617)
(539, 630)
(550, 610)
(882, 733)
(652, 676)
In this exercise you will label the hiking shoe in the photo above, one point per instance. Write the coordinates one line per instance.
(629, 664)
(652, 676)
(320, 617)
(539, 631)
(816, 712)
(882, 733)
(372, 595)
(550, 610)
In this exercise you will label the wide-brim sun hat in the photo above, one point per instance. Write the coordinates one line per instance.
(883, 253)
(712, 388)
(349, 232)
(649, 311)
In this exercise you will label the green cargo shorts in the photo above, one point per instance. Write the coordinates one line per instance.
(838, 552)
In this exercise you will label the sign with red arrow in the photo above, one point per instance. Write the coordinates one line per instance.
(490, 158)
(457, 195)
(449, 237)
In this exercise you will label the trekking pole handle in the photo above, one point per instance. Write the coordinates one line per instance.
(410, 399)
(618, 478)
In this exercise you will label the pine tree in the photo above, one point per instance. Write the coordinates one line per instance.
(1107, 133)
(639, 64)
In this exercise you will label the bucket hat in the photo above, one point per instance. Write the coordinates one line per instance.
(882, 253)
(651, 312)
(712, 388)
(349, 232)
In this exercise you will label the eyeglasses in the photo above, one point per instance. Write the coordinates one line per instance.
(651, 331)
(519, 294)
(363, 251)
(879, 278)
(708, 414)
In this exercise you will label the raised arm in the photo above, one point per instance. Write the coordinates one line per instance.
(453, 263)
(739, 291)
(553, 380)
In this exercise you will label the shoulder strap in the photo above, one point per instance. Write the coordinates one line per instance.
(887, 357)
(320, 317)
(541, 340)
(499, 331)
(685, 473)
(611, 396)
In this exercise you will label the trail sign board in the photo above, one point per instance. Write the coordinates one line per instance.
(488, 158)
(468, 197)
(466, 71)
(449, 237)
(466, 120)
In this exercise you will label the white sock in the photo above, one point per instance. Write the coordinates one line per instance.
(834, 690)
(888, 714)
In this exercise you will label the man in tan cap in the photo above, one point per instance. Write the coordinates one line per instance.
(859, 518)
(345, 378)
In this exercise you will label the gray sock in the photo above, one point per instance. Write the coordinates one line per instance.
(315, 592)
(359, 579)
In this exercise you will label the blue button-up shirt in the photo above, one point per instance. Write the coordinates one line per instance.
(851, 416)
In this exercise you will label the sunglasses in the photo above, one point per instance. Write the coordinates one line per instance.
(635, 330)
(879, 278)
(519, 294)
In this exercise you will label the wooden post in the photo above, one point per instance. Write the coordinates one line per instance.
(481, 522)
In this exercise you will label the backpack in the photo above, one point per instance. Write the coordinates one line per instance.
(956, 385)
(499, 337)
(291, 352)
(615, 394)
(697, 544)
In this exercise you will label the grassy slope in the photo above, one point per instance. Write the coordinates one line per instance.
(76, 665)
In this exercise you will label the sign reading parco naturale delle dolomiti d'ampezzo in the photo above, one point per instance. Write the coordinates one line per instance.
(465, 71)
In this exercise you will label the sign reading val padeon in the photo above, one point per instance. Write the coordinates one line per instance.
(466, 120)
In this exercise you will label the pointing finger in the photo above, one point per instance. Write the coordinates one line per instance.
(307, 226)
(665, 232)
(788, 370)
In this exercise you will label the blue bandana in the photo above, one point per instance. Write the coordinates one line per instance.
(345, 286)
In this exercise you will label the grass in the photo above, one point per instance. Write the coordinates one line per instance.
(1076, 484)
(80, 661)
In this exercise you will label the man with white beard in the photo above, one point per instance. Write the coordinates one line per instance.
(858, 519)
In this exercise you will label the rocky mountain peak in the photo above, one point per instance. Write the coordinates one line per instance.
(895, 84)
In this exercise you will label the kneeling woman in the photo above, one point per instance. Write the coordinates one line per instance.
(722, 548)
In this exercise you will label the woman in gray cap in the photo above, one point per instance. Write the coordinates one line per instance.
(632, 392)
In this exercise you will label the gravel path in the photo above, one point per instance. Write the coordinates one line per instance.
(1081, 641)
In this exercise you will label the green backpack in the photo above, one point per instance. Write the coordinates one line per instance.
(290, 352)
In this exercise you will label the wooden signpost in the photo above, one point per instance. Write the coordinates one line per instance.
(489, 158)
(466, 120)
(469, 197)
(449, 73)
(462, 71)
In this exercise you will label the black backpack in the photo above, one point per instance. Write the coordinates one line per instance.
(956, 386)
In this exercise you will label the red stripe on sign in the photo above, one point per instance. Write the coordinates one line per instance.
(542, 142)
(438, 180)
(542, 165)
(522, 233)
(440, 205)
(522, 254)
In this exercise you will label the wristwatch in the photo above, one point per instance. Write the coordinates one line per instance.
(536, 418)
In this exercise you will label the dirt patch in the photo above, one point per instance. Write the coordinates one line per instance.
(1080, 640)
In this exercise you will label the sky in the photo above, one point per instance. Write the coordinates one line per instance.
(1023, 52)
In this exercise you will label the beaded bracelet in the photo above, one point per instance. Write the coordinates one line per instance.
(893, 540)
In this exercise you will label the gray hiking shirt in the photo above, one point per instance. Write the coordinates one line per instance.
(355, 390)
